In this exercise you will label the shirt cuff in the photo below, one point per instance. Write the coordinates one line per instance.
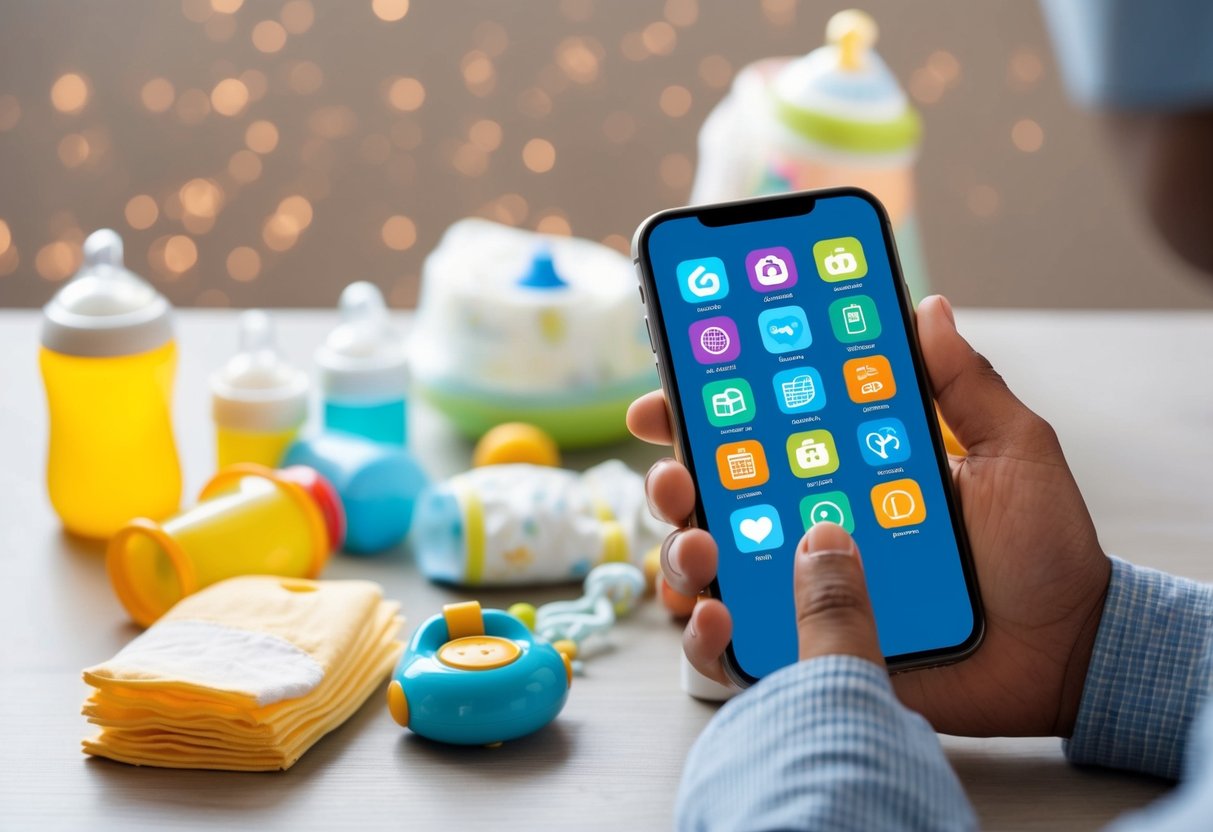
(1149, 673)
(822, 744)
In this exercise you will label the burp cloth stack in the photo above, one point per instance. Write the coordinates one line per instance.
(245, 675)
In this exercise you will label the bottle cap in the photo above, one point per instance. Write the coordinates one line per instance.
(363, 358)
(258, 390)
(542, 272)
(843, 95)
(105, 309)
(326, 498)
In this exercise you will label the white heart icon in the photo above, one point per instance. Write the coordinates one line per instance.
(756, 530)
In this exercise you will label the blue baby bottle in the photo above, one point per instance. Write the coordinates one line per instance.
(363, 369)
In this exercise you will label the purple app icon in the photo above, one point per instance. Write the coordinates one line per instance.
(714, 340)
(771, 269)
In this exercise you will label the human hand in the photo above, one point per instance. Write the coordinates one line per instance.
(1042, 573)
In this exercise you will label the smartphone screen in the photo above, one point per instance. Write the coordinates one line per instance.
(784, 334)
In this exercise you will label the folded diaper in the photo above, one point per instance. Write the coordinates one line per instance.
(245, 675)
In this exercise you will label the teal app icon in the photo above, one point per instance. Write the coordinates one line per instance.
(827, 507)
(784, 329)
(855, 319)
(728, 402)
(702, 279)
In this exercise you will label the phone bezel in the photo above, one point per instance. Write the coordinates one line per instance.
(795, 204)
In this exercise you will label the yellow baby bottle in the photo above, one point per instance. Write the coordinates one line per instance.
(107, 361)
(258, 400)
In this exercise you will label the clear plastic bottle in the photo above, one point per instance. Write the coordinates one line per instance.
(258, 399)
(363, 369)
(836, 116)
(108, 360)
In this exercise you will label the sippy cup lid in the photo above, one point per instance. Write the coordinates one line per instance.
(105, 309)
(258, 390)
(364, 356)
(843, 95)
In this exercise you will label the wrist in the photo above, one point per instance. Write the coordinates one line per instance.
(1078, 663)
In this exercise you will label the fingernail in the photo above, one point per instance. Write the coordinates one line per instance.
(828, 538)
(947, 308)
(671, 554)
(691, 626)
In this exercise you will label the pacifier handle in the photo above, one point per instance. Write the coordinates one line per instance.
(854, 33)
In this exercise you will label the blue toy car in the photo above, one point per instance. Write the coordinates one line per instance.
(472, 677)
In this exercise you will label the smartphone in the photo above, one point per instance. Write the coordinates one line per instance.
(784, 336)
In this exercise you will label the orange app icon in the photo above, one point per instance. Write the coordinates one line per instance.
(869, 379)
(742, 465)
(898, 503)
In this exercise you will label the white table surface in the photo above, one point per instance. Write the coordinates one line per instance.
(1130, 396)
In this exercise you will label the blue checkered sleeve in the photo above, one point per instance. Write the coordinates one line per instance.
(1150, 671)
(823, 744)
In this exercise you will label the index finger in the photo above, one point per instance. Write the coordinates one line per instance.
(648, 419)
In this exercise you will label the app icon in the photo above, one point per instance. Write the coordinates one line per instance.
(840, 259)
(756, 528)
(799, 390)
(771, 269)
(869, 379)
(742, 465)
(714, 340)
(827, 507)
(729, 402)
(812, 453)
(784, 329)
(854, 319)
(702, 280)
(884, 442)
(898, 503)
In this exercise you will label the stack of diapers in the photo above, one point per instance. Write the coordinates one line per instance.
(245, 675)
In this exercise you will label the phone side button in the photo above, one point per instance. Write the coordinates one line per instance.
(649, 330)
(640, 289)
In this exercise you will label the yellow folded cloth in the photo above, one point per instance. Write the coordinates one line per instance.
(245, 675)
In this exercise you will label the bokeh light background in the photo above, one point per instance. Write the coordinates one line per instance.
(267, 152)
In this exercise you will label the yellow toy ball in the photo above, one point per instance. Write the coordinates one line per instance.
(516, 442)
(525, 613)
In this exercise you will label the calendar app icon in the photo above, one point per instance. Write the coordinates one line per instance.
(742, 465)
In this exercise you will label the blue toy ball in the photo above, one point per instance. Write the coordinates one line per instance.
(477, 678)
(378, 485)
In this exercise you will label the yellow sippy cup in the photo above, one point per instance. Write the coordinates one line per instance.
(108, 360)
(258, 400)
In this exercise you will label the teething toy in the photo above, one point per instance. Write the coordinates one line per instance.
(477, 677)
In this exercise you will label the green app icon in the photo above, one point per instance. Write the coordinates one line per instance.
(855, 319)
(812, 453)
(827, 507)
(728, 402)
(840, 259)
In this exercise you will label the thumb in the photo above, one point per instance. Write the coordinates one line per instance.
(973, 399)
(833, 612)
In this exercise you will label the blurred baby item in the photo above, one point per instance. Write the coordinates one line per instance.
(516, 442)
(108, 360)
(258, 399)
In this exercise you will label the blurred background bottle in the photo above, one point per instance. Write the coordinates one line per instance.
(363, 369)
(835, 117)
(108, 360)
(258, 399)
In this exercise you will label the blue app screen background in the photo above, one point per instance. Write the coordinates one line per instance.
(914, 573)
